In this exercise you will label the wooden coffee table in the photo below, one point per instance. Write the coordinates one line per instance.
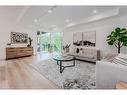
(60, 59)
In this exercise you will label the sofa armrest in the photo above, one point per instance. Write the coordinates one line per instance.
(98, 55)
(108, 74)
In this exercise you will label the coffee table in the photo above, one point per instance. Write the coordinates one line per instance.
(60, 59)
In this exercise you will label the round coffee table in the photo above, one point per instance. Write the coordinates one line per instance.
(60, 59)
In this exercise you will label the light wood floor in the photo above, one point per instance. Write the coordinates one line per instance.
(18, 74)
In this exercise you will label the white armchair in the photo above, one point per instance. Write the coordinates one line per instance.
(108, 74)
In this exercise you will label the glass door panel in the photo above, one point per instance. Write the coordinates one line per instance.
(49, 42)
(56, 41)
(45, 41)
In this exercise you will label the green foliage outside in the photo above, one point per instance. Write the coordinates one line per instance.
(50, 45)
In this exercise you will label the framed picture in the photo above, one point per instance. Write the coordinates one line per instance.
(19, 38)
(89, 38)
(77, 39)
(84, 39)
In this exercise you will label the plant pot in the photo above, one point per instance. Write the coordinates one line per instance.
(66, 50)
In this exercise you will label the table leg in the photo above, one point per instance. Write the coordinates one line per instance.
(57, 63)
(60, 66)
(74, 62)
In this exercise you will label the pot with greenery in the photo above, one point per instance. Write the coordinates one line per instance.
(66, 48)
(118, 38)
(30, 42)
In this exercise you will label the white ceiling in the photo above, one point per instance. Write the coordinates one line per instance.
(38, 18)
(9, 13)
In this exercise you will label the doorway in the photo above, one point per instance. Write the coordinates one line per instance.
(49, 42)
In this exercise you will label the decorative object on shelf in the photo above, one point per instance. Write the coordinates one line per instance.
(118, 38)
(9, 44)
(19, 38)
(85, 39)
(66, 48)
(30, 42)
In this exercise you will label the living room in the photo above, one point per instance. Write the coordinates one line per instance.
(63, 47)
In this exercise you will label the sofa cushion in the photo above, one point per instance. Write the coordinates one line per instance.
(86, 53)
(87, 56)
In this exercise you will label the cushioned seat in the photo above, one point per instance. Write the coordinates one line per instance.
(87, 54)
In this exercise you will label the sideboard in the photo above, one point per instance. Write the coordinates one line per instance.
(16, 52)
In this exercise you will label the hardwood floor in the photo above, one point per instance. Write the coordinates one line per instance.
(18, 74)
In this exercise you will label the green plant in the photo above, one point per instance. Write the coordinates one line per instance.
(30, 42)
(118, 37)
(66, 46)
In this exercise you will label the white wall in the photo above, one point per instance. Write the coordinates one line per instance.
(102, 28)
(67, 39)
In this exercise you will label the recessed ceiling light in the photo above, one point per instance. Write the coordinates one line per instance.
(35, 20)
(94, 11)
(53, 26)
(49, 11)
(70, 24)
(67, 20)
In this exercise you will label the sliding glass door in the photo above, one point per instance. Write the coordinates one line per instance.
(49, 42)
(56, 41)
(45, 41)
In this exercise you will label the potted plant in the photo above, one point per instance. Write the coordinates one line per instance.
(30, 42)
(9, 44)
(66, 48)
(118, 38)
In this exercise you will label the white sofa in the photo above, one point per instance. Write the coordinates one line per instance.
(86, 53)
(108, 74)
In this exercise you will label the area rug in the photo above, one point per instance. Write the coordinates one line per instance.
(82, 76)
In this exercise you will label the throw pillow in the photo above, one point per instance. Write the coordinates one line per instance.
(77, 50)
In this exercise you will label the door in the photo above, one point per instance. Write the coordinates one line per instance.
(49, 42)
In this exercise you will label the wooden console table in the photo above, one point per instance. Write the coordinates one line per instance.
(16, 52)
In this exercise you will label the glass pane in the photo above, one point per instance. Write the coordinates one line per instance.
(45, 42)
(56, 41)
(38, 43)
(49, 42)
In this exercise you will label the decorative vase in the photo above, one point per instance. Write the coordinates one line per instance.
(30, 42)
(66, 50)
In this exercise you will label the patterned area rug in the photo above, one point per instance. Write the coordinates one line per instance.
(82, 76)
